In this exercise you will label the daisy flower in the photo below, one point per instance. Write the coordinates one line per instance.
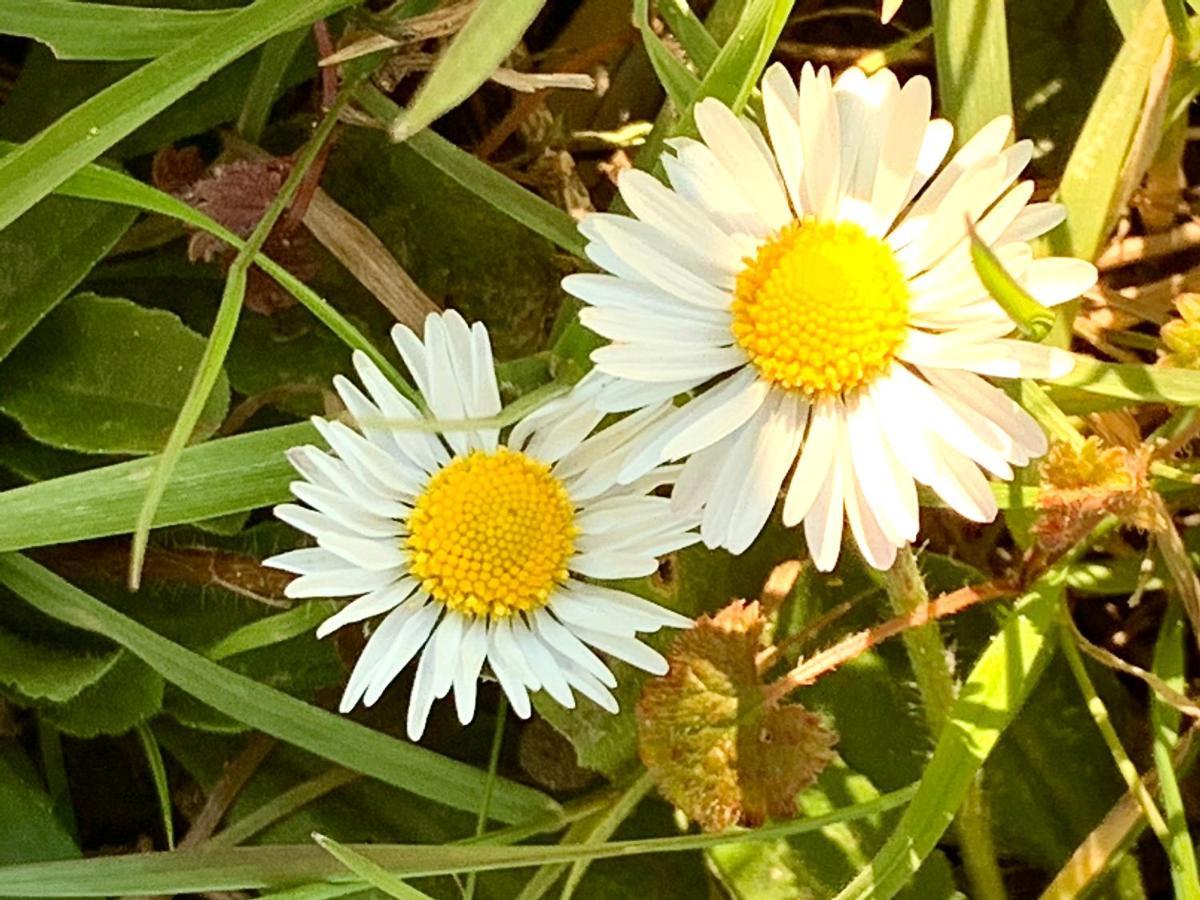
(474, 549)
(816, 293)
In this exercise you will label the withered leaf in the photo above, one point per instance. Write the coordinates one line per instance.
(715, 747)
(1081, 485)
(237, 195)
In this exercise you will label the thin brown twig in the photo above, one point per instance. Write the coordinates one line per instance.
(809, 670)
(1107, 658)
(226, 790)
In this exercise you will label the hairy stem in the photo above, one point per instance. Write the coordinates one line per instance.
(927, 654)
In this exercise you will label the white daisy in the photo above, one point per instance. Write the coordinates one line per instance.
(817, 295)
(475, 549)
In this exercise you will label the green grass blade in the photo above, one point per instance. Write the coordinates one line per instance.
(406, 766)
(987, 702)
(1169, 662)
(481, 45)
(368, 870)
(971, 47)
(1032, 319)
(240, 868)
(37, 167)
(481, 179)
(1091, 186)
(697, 41)
(228, 312)
(734, 73)
(1133, 382)
(100, 31)
(218, 477)
(94, 182)
(272, 629)
(676, 79)
(273, 61)
(158, 774)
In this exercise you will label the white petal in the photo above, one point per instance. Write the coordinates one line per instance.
(740, 155)
(683, 221)
(781, 102)
(650, 362)
(900, 150)
(345, 512)
(823, 519)
(466, 676)
(718, 412)
(820, 137)
(1057, 279)
(645, 615)
(420, 702)
(511, 676)
(563, 642)
(544, 665)
(373, 604)
(421, 448)
(884, 485)
(306, 561)
(629, 650)
(407, 643)
(816, 459)
(343, 583)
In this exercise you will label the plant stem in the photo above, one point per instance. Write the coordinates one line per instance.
(486, 802)
(927, 654)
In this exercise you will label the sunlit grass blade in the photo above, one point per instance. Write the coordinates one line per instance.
(987, 702)
(395, 762)
(1093, 187)
(102, 31)
(1133, 382)
(219, 341)
(94, 182)
(241, 868)
(37, 167)
(223, 476)
(675, 78)
(970, 40)
(489, 35)
(368, 870)
(481, 179)
(1031, 318)
(1169, 662)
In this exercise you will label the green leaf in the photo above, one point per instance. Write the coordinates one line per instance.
(971, 47)
(99, 31)
(103, 375)
(237, 868)
(128, 694)
(336, 738)
(1032, 318)
(46, 253)
(42, 670)
(817, 864)
(734, 73)
(489, 35)
(27, 821)
(212, 479)
(1092, 186)
(37, 167)
(273, 629)
(368, 870)
(987, 701)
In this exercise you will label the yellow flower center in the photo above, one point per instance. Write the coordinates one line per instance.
(821, 308)
(491, 534)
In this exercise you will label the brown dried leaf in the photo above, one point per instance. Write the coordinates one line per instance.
(1083, 485)
(715, 746)
(237, 195)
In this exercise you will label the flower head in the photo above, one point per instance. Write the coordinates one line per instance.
(815, 293)
(474, 549)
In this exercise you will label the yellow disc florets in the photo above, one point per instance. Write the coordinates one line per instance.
(491, 534)
(821, 308)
